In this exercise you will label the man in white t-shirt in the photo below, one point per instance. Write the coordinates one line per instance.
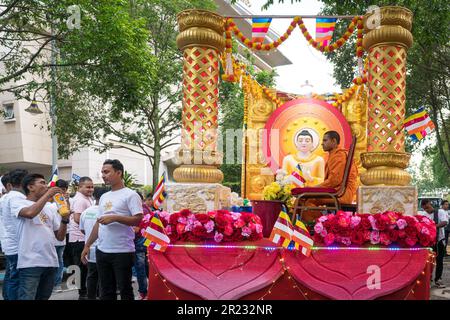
(87, 222)
(119, 210)
(81, 201)
(440, 245)
(37, 258)
(10, 243)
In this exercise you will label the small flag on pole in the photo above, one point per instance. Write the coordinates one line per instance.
(76, 178)
(324, 30)
(282, 230)
(302, 238)
(160, 193)
(418, 125)
(260, 27)
(155, 235)
(54, 178)
(297, 177)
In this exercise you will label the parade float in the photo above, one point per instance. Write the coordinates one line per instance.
(380, 252)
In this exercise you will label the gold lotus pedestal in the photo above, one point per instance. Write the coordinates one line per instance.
(386, 181)
(198, 176)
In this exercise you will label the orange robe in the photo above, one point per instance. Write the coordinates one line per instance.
(334, 176)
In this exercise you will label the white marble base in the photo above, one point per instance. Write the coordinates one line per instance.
(197, 197)
(387, 198)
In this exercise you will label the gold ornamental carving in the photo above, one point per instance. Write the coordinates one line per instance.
(392, 198)
(201, 40)
(387, 48)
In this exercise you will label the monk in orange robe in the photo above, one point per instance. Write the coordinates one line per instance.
(334, 175)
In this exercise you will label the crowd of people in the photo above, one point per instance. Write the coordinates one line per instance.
(99, 235)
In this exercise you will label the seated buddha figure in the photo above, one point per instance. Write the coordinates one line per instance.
(312, 165)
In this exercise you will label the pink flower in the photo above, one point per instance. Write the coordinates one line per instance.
(374, 237)
(324, 233)
(197, 224)
(372, 222)
(168, 229)
(235, 215)
(343, 222)
(182, 220)
(401, 223)
(346, 241)
(228, 230)
(425, 231)
(355, 221)
(318, 228)
(323, 218)
(259, 228)
(239, 223)
(410, 241)
(246, 231)
(209, 226)
(218, 237)
(146, 218)
(164, 215)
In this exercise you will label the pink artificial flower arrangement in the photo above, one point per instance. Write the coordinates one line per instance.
(219, 225)
(377, 229)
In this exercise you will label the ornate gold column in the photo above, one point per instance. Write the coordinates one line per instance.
(387, 48)
(201, 40)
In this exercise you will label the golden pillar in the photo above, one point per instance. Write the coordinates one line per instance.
(387, 47)
(201, 40)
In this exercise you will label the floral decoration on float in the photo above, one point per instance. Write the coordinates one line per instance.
(388, 228)
(219, 225)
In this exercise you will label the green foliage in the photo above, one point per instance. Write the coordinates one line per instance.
(129, 180)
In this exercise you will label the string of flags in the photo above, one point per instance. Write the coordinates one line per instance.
(287, 235)
(260, 27)
(324, 30)
(418, 125)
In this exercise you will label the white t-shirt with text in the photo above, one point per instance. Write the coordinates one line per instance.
(116, 237)
(36, 237)
(10, 243)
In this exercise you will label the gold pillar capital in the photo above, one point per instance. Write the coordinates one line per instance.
(395, 28)
(201, 28)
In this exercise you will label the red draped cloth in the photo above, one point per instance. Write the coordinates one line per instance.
(248, 273)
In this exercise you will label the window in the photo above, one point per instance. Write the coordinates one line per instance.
(8, 111)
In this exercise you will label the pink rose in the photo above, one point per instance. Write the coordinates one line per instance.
(235, 215)
(323, 219)
(259, 228)
(246, 231)
(372, 221)
(318, 228)
(182, 220)
(218, 237)
(355, 221)
(374, 237)
(346, 241)
(239, 223)
(228, 231)
(168, 229)
(209, 226)
(324, 233)
(401, 223)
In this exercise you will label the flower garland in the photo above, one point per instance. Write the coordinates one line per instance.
(230, 27)
(385, 229)
(220, 225)
(272, 97)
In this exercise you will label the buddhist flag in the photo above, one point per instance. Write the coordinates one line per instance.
(155, 236)
(418, 125)
(282, 230)
(260, 26)
(297, 177)
(54, 178)
(302, 238)
(160, 193)
(324, 30)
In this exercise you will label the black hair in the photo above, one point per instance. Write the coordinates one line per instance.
(16, 176)
(424, 202)
(30, 179)
(140, 195)
(5, 179)
(63, 184)
(99, 191)
(442, 203)
(305, 133)
(333, 135)
(84, 179)
(116, 164)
